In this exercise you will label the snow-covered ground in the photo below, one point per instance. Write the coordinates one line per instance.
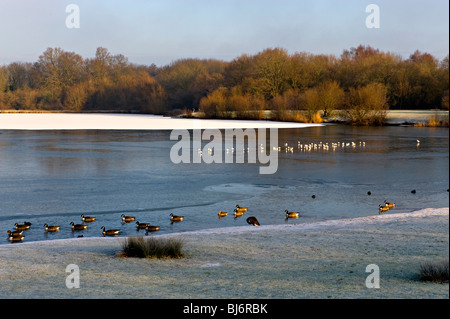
(108, 121)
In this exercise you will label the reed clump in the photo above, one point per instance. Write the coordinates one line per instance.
(437, 271)
(149, 247)
(435, 120)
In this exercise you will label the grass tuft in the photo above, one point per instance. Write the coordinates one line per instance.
(434, 120)
(148, 247)
(434, 271)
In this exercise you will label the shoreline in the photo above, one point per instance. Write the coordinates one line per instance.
(317, 261)
(134, 121)
(346, 222)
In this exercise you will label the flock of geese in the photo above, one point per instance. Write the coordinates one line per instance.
(18, 236)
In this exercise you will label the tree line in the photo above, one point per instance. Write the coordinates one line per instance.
(360, 85)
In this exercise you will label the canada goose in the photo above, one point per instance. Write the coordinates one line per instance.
(390, 205)
(383, 209)
(127, 219)
(292, 214)
(22, 227)
(51, 229)
(222, 214)
(141, 225)
(14, 233)
(110, 232)
(78, 226)
(238, 213)
(253, 221)
(244, 209)
(151, 228)
(87, 219)
(16, 239)
(175, 218)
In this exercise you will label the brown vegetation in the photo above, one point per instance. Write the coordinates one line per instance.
(152, 247)
(435, 120)
(436, 272)
(360, 85)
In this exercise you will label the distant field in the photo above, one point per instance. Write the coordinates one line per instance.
(400, 116)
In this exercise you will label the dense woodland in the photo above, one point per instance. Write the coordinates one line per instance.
(362, 81)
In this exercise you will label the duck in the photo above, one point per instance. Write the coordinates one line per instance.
(127, 219)
(383, 209)
(390, 205)
(110, 232)
(313, 196)
(16, 239)
(151, 228)
(174, 218)
(78, 226)
(14, 233)
(253, 221)
(413, 191)
(87, 219)
(51, 229)
(141, 225)
(292, 214)
(27, 223)
(238, 213)
(244, 209)
(222, 214)
(22, 227)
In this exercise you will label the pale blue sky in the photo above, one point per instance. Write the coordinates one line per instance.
(161, 31)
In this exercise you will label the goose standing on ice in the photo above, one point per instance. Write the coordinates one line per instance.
(110, 232)
(51, 229)
(78, 226)
(253, 221)
(127, 219)
(22, 227)
(222, 214)
(87, 219)
(292, 214)
(390, 205)
(174, 218)
(383, 209)
(238, 213)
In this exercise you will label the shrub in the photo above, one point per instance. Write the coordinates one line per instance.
(152, 247)
(434, 121)
(434, 271)
(316, 118)
(367, 105)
